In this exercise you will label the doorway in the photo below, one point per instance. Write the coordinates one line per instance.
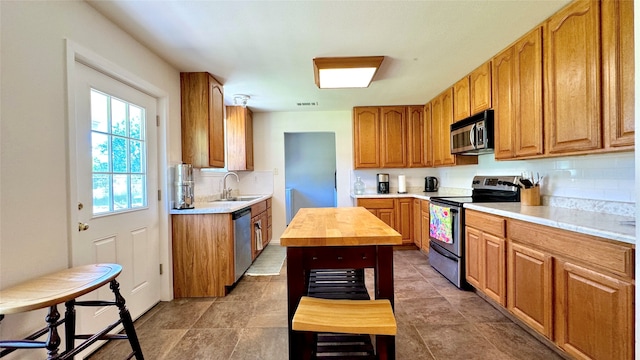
(310, 171)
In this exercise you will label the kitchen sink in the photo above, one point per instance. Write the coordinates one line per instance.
(238, 198)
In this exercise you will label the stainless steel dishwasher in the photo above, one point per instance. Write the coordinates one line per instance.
(242, 241)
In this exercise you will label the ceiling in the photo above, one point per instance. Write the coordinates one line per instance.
(265, 48)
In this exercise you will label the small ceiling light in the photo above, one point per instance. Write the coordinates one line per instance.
(241, 99)
(345, 72)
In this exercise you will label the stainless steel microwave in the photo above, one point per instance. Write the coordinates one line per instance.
(473, 135)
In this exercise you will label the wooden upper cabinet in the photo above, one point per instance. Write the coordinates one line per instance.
(202, 98)
(442, 118)
(461, 99)
(366, 137)
(504, 106)
(393, 134)
(437, 137)
(427, 149)
(517, 98)
(416, 136)
(618, 74)
(572, 73)
(239, 138)
(480, 88)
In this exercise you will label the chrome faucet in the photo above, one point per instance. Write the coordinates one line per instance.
(226, 193)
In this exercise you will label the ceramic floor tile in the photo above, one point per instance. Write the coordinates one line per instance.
(407, 289)
(427, 311)
(269, 313)
(205, 344)
(177, 314)
(513, 340)
(262, 344)
(459, 342)
(477, 310)
(245, 291)
(409, 344)
(226, 314)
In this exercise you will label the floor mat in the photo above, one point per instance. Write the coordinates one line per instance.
(269, 262)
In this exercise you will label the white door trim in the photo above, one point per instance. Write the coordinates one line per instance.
(76, 52)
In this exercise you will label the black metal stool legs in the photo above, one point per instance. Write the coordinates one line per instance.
(53, 339)
(127, 322)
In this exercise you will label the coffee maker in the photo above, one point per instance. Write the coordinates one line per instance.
(184, 196)
(383, 183)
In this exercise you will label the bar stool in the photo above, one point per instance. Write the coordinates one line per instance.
(360, 317)
(64, 287)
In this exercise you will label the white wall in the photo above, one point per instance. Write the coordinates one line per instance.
(268, 135)
(35, 223)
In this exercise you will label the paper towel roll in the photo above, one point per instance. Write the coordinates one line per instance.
(402, 184)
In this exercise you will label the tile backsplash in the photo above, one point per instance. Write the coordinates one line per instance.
(208, 183)
(604, 177)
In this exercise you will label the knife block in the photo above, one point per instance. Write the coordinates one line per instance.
(530, 196)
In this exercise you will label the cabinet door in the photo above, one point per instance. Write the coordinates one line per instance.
(388, 216)
(366, 137)
(572, 71)
(461, 102)
(424, 205)
(480, 88)
(216, 123)
(594, 314)
(618, 74)
(529, 284)
(416, 137)
(239, 138)
(393, 125)
(202, 120)
(445, 123)
(417, 222)
(404, 219)
(473, 253)
(504, 108)
(493, 262)
(528, 119)
(428, 137)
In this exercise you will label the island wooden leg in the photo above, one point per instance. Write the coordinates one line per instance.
(296, 282)
(385, 345)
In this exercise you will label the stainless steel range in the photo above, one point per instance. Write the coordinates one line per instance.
(446, 223)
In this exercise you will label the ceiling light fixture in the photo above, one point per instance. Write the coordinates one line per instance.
(345, 72)
(241, 99)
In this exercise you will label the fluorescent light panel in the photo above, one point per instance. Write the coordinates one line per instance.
(345, 72)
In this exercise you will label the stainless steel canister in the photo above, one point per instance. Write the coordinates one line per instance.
(184, 196)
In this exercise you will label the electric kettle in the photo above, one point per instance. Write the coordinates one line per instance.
(430, 184)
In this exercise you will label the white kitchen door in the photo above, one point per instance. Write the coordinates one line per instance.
(116, 179)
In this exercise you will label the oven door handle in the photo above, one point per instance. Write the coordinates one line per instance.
(448, 256)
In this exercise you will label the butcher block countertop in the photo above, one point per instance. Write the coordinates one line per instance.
(344, 226)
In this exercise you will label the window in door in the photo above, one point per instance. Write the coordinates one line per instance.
(119, 167)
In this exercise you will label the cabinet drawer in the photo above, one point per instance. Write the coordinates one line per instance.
(491, 224)
(258, 208)
(593, 251)
(376, 203)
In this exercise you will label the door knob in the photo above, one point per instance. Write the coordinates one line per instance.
(83, 226)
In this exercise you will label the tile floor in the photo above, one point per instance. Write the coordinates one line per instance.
(435, 321)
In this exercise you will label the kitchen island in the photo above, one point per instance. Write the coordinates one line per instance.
(336, 238)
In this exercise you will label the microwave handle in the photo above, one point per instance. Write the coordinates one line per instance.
(472, 135)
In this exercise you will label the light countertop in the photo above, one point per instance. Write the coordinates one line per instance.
(614, 227)
(608, 226)
(414, 194)
(219, 207)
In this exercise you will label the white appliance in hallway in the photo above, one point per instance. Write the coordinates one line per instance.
(310, 171)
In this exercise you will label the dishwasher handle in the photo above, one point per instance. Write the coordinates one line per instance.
(240, 213)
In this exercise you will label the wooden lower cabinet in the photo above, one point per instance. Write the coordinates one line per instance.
(397, 213)
(417, 223)
(260, 214)
(594, 313)
(424, 224)
(485, 254)
(203, 262)
(529, 284)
